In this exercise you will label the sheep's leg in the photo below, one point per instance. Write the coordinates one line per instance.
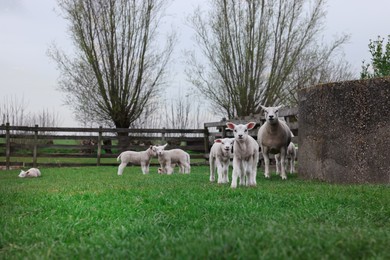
(121, 167)
(277, 163)
(235, 174)
(242, 175)
(226, 173)
(283, 156)
(212, 170)
(220, 172)
(188, 168)
(147, 168)
(143, 168)
(266, 161)
(292, 164)
(168, 167)
(254, 169)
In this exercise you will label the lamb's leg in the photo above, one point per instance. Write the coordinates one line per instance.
(283, 156)
(188, 168)
(212, 169)
(254, 169)
(225, 173)
(168, 167)
(147, 168)
(235, 174)
(292, 164)
(220, 172)
(121, 167)
(143, 168)
(266, 161)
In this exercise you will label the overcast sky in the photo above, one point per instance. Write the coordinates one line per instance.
(29, 27)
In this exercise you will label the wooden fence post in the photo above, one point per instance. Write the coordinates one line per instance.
(206, 141)
(35, 146)
(163, 135)
(8, 146)
(99, 151)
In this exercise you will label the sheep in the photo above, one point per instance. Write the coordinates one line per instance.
(140, 158)
(274, 136)
(220, 155)
(245, 155)
(291, 155)
(33, 172)
(167, 158)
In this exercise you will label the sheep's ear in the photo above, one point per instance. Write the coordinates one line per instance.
(165, 145)
(151, 147)
(230, 125)
(250, 125)
(263, 107)
(217, 141)
(279, 107)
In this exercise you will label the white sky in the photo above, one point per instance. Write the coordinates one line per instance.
(29, 27)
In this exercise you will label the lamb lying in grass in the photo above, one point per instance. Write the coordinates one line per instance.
(291, 155)
(274, 136)
(220, 155)
(245, 155)
(138, 158)
(33, 172)
(167, 158)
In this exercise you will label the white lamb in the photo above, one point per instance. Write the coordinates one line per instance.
(33, 172)
(291, 155)
(245, 155)
(274, 136)
(167, 158)
(139, 158)
(220, 155)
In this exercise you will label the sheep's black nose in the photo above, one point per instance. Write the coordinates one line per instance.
(271, 117)
(240, 136)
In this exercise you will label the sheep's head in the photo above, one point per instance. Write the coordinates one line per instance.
(159, 149)
(226, 143)
(240, 131)
(271, 114)
(22, 174)
(151, 151)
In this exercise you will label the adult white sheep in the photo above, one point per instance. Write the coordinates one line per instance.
(139, 158)
(290, 158)
(245, 154)
(167, 158)
(33, 172)
(274, 136)
(220, 154)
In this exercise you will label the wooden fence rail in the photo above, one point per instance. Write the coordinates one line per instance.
(98, 144)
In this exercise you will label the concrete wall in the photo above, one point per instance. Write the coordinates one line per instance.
(344, 132)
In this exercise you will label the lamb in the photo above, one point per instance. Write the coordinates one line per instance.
(291, 155)
(220, 154)
(274, 136)
(245, 155)
(140, 158)
(33, 172)
(175, 156)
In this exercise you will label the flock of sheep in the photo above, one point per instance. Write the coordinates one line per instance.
(273, 137)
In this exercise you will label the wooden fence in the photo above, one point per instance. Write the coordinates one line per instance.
(56, 143)
(56, 146)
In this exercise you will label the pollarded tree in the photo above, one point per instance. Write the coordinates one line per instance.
(118, 67)
(380, 61)
(255, 52)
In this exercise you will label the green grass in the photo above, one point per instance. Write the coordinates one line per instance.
(91, 213)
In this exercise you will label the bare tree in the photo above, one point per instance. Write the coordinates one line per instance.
(256, 50)
(118, 66)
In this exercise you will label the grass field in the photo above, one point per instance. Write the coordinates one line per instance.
(91, 213)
